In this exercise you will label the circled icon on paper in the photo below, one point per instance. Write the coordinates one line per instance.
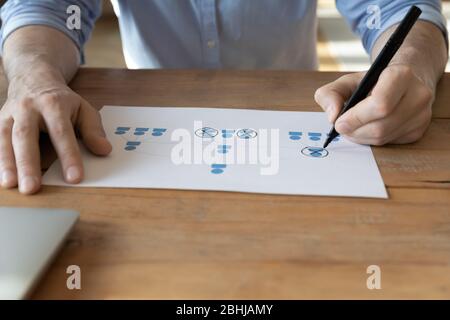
(246, 133)
(206, 133)
(315, 152)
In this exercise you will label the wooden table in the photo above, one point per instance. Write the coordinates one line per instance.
(208, 245)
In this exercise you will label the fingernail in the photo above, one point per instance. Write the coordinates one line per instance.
(28, 184)
(7, 179)
(73, 174)
(343, 127)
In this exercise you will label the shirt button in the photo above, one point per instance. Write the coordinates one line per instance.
(211, 44)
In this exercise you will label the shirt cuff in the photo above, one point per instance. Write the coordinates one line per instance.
(27, 19)
(429, 14)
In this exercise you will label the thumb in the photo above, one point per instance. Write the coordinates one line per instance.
(90, 126)
(332, 96)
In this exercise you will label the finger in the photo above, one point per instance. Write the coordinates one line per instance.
(331, 97)
(91, 129)
(411, 136)
(380, 104)
(413, 109)
(25, 141)
(62, 135)
(414, 129)
(384, 127)
(376, 133)
(8, 171)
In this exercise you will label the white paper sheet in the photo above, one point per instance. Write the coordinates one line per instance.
(256, 151)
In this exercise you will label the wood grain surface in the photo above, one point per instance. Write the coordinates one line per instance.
(209, 245)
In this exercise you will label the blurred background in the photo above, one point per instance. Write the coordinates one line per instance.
(338, 48)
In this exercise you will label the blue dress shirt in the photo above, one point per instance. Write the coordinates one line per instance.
(236, 34)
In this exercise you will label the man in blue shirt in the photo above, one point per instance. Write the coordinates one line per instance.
(41, 53)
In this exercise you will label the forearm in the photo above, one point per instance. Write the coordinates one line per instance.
(39, 61)
(424, 50)
(39, 55)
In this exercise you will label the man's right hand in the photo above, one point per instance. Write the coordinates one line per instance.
(33, 106)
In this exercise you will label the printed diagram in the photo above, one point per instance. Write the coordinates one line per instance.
(315, 152)
(228, 149)
(209, 133)
(246, 134)
(295, 135)
(218, 168)
(311, 151)
(138, 132)
(206, 133)
(312, 136)
(135, 137)
(132, 145)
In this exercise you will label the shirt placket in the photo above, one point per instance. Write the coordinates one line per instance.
(210, 37)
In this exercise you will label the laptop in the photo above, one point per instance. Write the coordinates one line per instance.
(29, 239)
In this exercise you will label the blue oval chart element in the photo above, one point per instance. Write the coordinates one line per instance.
(315, 152)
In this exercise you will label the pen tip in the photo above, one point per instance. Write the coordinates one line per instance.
(326, 143)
